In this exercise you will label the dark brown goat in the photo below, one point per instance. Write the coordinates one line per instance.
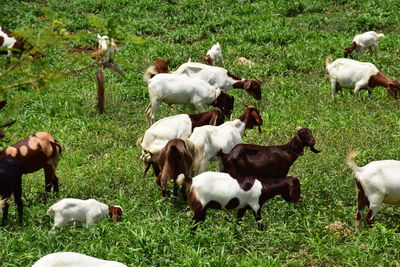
(11, 171)
(266, 161)
(174, 159)
(218, 190)
(35, 152)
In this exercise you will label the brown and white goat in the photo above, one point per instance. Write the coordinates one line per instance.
(353, 74)
(208, 140)
(175, 127)
(10, 43)
(175, 158)
(266, 161)
(219, 190)
(363, 41)
(220, 78)
(35, 152)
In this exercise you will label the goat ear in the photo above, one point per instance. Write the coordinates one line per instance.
(246, 105)
(98, 36)
(247, 85)
(257, 118)
(213, 120)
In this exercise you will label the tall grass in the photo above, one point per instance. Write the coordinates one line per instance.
(288, 41)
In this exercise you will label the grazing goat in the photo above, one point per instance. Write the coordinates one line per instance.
(220, 78)
(85, 211)
(73, 259)
(160, 66)
(214, 55)
(266, 161)
(11, 171)
(35, 152)
(208, 140)
(175, 158)
(175, 127)
(10, 43)
(219, 190)
(349, 73)
(107, 48)
(363, 41)
(181, 89)
(377, 182)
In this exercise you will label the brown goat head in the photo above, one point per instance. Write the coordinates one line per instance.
(161, 65)
(393, 88)
(207, 59)
(251, 117)
(253, 88)
(115, 213)
(350, 49)
(294, 191)
(306, 138)
(225, 103)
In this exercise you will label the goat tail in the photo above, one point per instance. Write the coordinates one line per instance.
(380, 35)
(3, 202)
(139, 142)
(328, 60)
(350, 160)
(184, 181)
(197, 154)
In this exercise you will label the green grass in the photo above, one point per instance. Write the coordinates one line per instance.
(288, 41)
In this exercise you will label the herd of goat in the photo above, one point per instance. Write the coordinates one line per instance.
(180, 147)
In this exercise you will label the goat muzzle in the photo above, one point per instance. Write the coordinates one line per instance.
(313, 149)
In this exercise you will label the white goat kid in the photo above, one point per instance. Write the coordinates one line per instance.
(214, 55)
(86, 211)
(363, 41)
(73, 259)
(377, 182)
(107, 47)
(179, 89)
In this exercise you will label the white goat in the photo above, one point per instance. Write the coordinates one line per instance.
(377, 182)
(73, 259)
(85, 211)
(353, 74)
(179, 89)
(214, 55)
(107, 48)
(208, 140)
(363, 41)
(220, 78)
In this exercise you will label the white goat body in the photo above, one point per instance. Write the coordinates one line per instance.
(379, 182)
(216, 76)
(214, 55)
(208, 140)
(349, 73)
(367, 40)
(221, 187)
(158, 135)
(73, 259)
(179, 89)
(72, 209)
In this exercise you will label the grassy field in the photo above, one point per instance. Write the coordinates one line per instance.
(288, 41)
